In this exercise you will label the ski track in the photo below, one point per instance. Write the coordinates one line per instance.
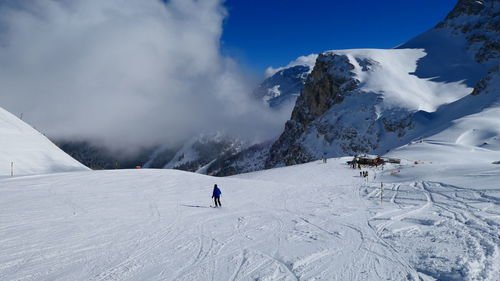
(422, 230)
(451, 211)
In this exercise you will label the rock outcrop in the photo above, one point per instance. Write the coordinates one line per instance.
(331, 78)
(479, 21)
(489, 84)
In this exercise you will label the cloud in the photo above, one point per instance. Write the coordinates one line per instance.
(126, 73)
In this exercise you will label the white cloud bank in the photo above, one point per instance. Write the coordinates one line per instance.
(124, 72)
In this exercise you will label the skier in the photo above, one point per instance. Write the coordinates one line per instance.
(216, 196)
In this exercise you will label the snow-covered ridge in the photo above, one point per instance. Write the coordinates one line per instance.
(387, 73)
(282, 89)
(283, 85)
(308, 60)
(29, 150)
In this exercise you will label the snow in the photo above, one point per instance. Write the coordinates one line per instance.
(460, 185)
(313, 221)
(478, 124)
(308, 60)
(449, 58)
(389, 74)
(273, 92)
(29, 150)
(281, 90)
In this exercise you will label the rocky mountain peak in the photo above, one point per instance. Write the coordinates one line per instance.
(332, 75)
(466, 7)
(479, 21)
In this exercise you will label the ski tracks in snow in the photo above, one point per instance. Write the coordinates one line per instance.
(446, 232)
(323, 227)
(137, 258)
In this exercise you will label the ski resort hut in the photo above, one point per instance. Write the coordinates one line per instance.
(367, 161)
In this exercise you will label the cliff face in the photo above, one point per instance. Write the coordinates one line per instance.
(331, 78)
(371, 101)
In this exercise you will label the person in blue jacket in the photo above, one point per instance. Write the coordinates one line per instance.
(216, 196)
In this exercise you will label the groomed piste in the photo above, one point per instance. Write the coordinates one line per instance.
(314, 221)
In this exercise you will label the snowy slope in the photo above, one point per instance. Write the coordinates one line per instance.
(29, 150)
(307, 222)
(466, 129)
(475, 119)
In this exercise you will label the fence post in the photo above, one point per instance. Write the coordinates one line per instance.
(11, 169)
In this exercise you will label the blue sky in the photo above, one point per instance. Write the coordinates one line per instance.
(262, 33)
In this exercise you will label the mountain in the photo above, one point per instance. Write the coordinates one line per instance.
(29, 151)
(284, 85)
(372, 101)
(197, 154)
(247, 160)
